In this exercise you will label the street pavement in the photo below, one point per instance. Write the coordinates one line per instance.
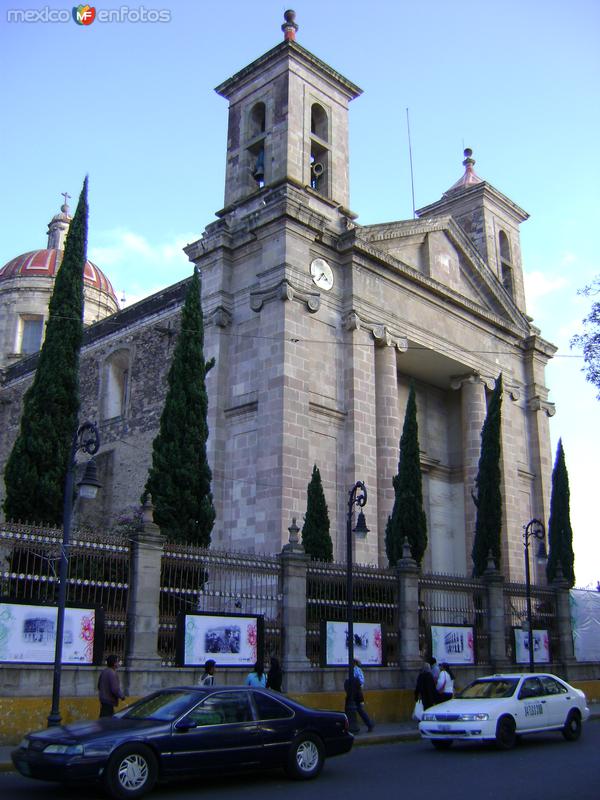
(381, 734)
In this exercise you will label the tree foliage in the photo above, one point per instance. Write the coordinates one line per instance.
(589, 340)
(488, 499)
(316, 538)
(560, 534)
(36, 469)
(408, 516)
(179, 479)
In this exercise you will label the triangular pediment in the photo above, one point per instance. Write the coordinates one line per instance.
(440, 251)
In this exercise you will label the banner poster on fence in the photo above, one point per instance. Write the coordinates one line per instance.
(368, 643)
(541, 646)
(585, 624)
(452, 644)
(231, 640)
(28, 634)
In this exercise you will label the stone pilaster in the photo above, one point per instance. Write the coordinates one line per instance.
(407, 569)
(566, 655)
(387, 436)
(473, 411)
(294, 564)
(141, 653)
(494, 581)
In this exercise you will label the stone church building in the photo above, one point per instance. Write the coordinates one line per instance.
(318, 325)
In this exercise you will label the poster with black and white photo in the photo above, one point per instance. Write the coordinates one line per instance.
(368, 643)
(541, 646)
(452, 644)
(232, 640)
(28, 634)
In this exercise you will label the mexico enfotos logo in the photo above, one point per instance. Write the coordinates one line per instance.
(85, 15)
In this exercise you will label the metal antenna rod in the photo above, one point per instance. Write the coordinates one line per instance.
(412, 177)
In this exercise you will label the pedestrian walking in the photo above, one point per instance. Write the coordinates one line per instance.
(109, 688)
(257, 677)
(208, 676)
(425, 688)
(445, 683)
(275, 676)
(435, 668)
(355, 695)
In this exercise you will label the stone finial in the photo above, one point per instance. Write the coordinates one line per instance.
(290, 26)
(294, 530)
(148, 511)
(406, 551)
(65, 206)
(491, 563)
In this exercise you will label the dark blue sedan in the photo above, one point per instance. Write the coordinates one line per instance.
(183, 732)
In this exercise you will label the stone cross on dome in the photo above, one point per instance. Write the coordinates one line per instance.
(289, 27)
(65, 206)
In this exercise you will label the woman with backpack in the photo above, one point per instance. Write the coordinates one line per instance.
(445, 683)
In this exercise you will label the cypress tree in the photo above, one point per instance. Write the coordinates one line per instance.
(179, 479)
(315, 531)
(36, 469)
(488, 525)
(560, 534)
(408, 517)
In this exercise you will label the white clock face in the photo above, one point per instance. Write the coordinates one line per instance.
(322, 274)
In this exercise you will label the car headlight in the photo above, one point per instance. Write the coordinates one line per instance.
(97, 749)
(64, 749)
(473, 717)
(428, 717)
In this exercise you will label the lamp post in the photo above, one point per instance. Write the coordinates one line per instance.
(86, 439)
(358, 497)
(536, 529)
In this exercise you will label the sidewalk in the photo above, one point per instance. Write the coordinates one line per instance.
(382, 734)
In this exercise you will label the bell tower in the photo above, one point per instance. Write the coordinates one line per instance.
(288, 121)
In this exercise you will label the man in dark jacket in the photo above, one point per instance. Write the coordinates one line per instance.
(109, 688)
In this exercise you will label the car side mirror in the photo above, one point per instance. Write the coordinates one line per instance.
(185, 725)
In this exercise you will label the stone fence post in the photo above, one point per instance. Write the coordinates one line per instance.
(494, 581)
(141, 652)
(563, 621)
(294, 565)
(407, 570)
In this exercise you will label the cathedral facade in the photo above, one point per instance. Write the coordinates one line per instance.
(318, 326)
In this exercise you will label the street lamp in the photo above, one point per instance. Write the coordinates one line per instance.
(358, 497)
(86, 439)
(536, 529)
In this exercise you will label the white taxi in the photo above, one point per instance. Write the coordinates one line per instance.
(501, 707)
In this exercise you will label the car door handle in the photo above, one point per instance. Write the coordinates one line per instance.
(542, 701)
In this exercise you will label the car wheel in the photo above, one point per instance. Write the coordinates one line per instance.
(441, 744)
(131, 772)
(506, 733)
(572, 727)
(305, 759)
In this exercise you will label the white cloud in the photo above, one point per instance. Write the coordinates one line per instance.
(538, 286)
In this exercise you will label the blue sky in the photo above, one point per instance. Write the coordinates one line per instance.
(132, 105)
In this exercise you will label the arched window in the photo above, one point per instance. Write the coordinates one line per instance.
(31, 331)
(318, 122)
(506, 267)
(116, 385)
(257, 120)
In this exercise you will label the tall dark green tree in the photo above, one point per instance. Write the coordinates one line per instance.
(408, 517)
(488, 498)
(36, 469)
(179, 479)
(560, 533)
(315, 531)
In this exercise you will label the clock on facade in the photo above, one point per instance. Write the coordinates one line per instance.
(322, 274)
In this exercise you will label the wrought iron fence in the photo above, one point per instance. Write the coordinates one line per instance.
(543, 614)
(452, 600)
(98, 573)
(375, 599)
(197, 579)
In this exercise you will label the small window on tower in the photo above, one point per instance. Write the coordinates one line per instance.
(32, 329)
(257, 120)
(319, 122)
(506, 267)
(116, 385)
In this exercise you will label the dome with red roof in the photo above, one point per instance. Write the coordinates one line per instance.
(45, 264)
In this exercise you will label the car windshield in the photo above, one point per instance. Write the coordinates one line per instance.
(491, 689)
(164, 706)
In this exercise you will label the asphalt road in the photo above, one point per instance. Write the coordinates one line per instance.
(544, 767)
